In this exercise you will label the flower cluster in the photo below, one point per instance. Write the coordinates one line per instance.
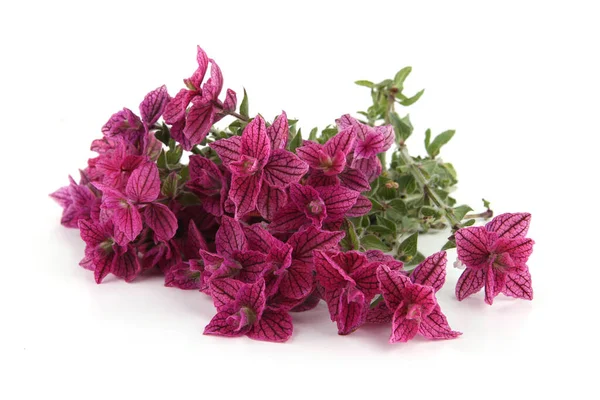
(257, 222)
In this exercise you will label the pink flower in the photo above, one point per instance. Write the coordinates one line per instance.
(242, 310)
(253, 163)
(208, 183)
(78, 202)
(349, 283)
(414, 306)
(495, 257)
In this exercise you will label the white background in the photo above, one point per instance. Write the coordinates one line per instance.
(519, 82)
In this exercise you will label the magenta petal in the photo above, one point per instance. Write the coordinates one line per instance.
(333, 298)
(338, 200)
(195, 241)
(370, 146)
(244, 192)
(370, 167)
(284, 168)
(126, 266)
(345, 121)
(199, 74)
(288, 219)
(199, 121)
(329, 274)
(310, 153)
(255, 142)
(490, 285)
(175, 108)
(144, 183)
(311, 238)
(103, 263)
(161, 220)
(182, 276)
(230, 102)
(91, 233)
(230, 237)
(253, 265)
(380, 314)
(510, 225)
(354, 179)
(224, 291)
(361, 207)
(352, 314)
(519, 285)
(252, 296)
(214, 85)
(308, 201)
(472, 246)
(471, 281)
(260, 239)
(519, 248)
(297, 281)
(342, 142)
(228, 150)
(309, 303)
(366, 280)
(270, 200)
(273, 326)
(432, 271)
(177, 134)
(62, 196)
(278, 132)
(128, 220)
(435, 326)
(220, 325)
(403, 329)
(387, 131)
(390, 283)
(153, 105)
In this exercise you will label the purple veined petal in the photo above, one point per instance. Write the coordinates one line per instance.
(432, 271)
(161, 220)
(126, 266)
(366, 279)
(330, 275)
(144, 183)
(472, 246)
(309, 303)
(224, 292)
(471, 281)
(334, 165)
(403, 329)
(435, 326)
(361, 130)
(499, 282)
(387, 131)
(177, 134)
(196, 79)
(284, 168)
(270, 200)
(255, 142)
(128, 220)
(273, 326)
(62, 196)
(519, 285)
(183, 276)
(317, 178)
(390, 284)
(311, 153)
(230, 237)
(338, 200)
(311, 238)
(373, 144)
(288, 219)
(199, 120)
(519, 248)
(279, 132)
(253, 265)
(380, 314)
(122, 123)
(199, 165)
(308, 202)
(228, 150)
(354, 179)
(195, 241)
(415, 294)
(230, 103)
(350, 261)
(175, 108)
(370, 167)
(91, 233)
(352, 314)
(297, 281)
(212, 261)
(361, 207)
(490, 285)
(280, 256)
(214, 85)
(333, 298)
(221, 325)
(103, 262)
(343, 142)
(345, 121)
(153, 105)
(382, 258)
(252, 296)
(244, 193)
(510, 225)
(260, 239)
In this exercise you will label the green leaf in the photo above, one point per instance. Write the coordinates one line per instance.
(461, 211)
(412, 100)
(296, 141)
(170, 185)
(408, 248)
(486, 204)
(364, 83)
(396, 209)
(382, 230)
(402, 127)
(244, 106)
(449, 245)
(162, 160)
(427, 138)
(469, 222)
(174, 155)
(376, 206)
(401, 77)
(163, 134)
(416, 260)
(427, 211)
(434, 147)
(373, 242)
(313, 134)
(350, 241)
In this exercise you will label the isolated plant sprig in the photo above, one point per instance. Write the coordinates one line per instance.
(268, 222)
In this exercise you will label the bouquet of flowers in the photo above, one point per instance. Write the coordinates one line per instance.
(268, 223)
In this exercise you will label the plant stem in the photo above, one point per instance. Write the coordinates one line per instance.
(486, 214)
(232, 113)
